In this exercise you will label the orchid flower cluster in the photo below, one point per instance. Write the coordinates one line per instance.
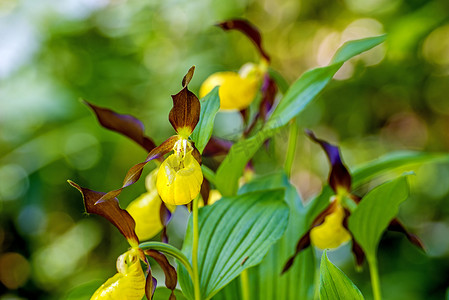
(180, 179)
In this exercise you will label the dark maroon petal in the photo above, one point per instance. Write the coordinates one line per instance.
(110, 210)
(150, 283)
(126, 125)
(171, 277)
(320, 218)
(304, 241)
(359, 255)
(269, 90)
(197, 155)
(396, 225)
(247, 29)
(205, 191)
(185, 113)
(339, 176)
(217, 146)
(165, 217)
(302, 244)
(136, 171)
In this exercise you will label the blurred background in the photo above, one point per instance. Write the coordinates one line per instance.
(131, 55)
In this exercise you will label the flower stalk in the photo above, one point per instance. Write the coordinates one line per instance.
(244, 282)
(292, 139)
(196, 277)
(374, 274)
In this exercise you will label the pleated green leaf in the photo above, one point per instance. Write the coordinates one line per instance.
(296, 99)
(210, 105)
(234, 234)
(373, 214)
(266, 281)
(334, 284)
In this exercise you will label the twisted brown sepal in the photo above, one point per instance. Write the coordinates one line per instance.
(150, 283)
(126, 125)
(247, 29)
(171, 277)
(302, 244)
(396, 225)
(339, 177)
(185, 113)
(110, 210)
(165, 216)
(136, 171)
(304, 241)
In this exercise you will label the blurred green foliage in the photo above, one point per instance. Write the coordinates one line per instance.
(131, 55)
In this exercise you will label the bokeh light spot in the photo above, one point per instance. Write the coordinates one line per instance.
(14, 182)
(14, 270)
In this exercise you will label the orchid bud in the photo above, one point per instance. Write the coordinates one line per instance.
(331, 233)
(128, 283)
(145, 210)
(179, 179)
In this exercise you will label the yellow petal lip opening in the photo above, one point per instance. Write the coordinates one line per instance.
(236, 92)
(179, 179)
(331, 234)
(128, 283)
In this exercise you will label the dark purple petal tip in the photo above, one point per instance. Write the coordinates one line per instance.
(339, 177)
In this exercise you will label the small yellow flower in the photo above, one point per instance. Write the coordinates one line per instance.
(179, 179)
(145, 212)
(150, 180)
(127, 284)
(214, 196)
(237, 90)
(331, 234)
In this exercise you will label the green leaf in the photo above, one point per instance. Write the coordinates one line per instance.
(392, 161)
(297, 98)
(266, 281)
(162, 293)
(234, 234)
(353, 48)
(334, 284)
(373, 214)
(210, 105)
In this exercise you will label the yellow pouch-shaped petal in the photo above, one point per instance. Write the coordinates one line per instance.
(235, 92)
(179, 179)
(150, 180)
(127, 284)
(145, 210)
(331, 233)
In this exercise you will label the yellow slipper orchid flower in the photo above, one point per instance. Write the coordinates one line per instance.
(127, 284)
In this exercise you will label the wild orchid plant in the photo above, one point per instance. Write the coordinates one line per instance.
(248, 229)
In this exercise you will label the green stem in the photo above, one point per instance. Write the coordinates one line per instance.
(195, 278)
(244, 281)
(292, 139)
(169, 249)
(374, 273)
